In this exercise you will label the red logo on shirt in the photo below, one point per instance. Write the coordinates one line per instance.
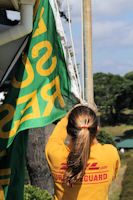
(94, 174)
(90, 166)
(63, 166)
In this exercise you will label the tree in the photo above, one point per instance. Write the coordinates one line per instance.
(125, 95)
(112, 95)
(36, 162)
(129, 89)
(129, 75)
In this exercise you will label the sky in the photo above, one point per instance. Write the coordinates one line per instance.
(112, 33)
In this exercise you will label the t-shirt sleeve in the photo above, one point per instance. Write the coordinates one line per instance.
(55, 145)
(59, 133)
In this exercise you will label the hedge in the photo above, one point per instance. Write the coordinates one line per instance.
(105, 138)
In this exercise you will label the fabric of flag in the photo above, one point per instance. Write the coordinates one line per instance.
(43, 89)
(12, 169)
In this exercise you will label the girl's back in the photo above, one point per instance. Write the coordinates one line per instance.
(101, 169)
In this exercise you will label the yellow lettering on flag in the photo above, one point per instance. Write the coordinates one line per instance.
(5, 172)
(30, 74)
(2, 197)
(50, 99)
(41, 26)
(10, 109)
(44, 58)
(2, 153)
(33, 103)
(4, 181)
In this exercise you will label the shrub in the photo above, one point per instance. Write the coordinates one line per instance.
(105, 138)
(35, 193)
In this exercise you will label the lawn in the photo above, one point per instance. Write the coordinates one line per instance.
(115, 188)
(117, 130)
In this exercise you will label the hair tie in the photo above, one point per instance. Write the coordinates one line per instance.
(84, 126)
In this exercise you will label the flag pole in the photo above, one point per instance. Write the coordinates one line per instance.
(87, 48)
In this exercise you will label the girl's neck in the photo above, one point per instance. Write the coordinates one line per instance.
(95, 141)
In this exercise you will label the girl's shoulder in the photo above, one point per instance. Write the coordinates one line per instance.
(109, 148)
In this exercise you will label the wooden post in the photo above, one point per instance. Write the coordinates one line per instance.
(87, 48)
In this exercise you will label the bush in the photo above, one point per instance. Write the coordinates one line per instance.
(105, 138)
(35, 193)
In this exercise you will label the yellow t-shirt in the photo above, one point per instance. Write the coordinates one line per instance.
(102, 168)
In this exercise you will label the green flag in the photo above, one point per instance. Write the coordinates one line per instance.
(12, 166)
(45, 85)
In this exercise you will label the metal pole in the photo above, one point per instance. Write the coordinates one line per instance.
(87, 42)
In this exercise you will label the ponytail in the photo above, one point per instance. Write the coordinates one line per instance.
(78, 157)
(80, 151)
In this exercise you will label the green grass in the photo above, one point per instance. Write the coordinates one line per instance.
(127, 184)
(116, 187)
(117, 130)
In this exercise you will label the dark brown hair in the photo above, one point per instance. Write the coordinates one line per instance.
(82, 127)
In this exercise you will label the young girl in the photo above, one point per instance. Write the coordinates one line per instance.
(82, 168)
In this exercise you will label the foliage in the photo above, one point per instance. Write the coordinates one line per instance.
(105, 138)
(129, 87)
(129, 75)
(127, 184)
(125, 96)
(112, 94)
(35, 193)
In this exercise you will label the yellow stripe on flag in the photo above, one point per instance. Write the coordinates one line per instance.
(5, 172)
